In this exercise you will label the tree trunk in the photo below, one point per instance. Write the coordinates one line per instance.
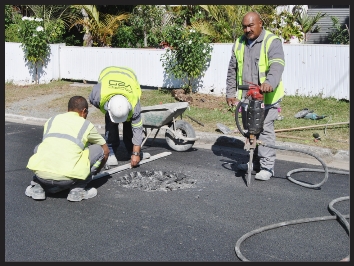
(87, 36)
(36, 69)
(145, 39)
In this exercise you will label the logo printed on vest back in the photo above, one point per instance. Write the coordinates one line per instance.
(119, 85)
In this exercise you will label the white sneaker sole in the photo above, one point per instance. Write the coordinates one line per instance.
(36, 196)
(81, 195)
(261, 178)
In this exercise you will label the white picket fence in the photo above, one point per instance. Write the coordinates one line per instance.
(310, 69)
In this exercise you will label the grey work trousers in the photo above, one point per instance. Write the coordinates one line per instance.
(265, 156)
(96, 156)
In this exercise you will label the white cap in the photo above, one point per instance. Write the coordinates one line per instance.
(119, 108)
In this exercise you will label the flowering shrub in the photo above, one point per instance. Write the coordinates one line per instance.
(286, 27)
(34, 41)
(189, 58)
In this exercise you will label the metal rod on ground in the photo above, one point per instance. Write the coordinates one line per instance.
(195, 120)
(295, 128)
(224, 129)
(289, 137)
(127, 166)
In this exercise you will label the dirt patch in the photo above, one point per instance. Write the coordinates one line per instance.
(200, 100)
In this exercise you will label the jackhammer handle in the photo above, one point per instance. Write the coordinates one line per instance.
(244, 87)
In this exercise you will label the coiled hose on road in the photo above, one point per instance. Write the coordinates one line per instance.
(336, 214)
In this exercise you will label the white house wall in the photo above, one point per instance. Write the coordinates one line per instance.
(310, 69)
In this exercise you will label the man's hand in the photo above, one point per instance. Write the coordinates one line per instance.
(231, 101)
(104, 160)
(265, 87)
(135, 159)
(105, 151)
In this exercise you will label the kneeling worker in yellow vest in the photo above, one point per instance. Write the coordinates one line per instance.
(70, 153)
(117, 94)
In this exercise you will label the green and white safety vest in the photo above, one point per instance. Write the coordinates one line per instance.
(62, 150)
(119, 80)
(263, 66)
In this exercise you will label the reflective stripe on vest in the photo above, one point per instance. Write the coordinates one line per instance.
(63, 149)
(263, 66)
(107, 70)
(139, 124)
(77, 140)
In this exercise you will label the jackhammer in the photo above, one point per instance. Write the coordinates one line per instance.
(253, 122)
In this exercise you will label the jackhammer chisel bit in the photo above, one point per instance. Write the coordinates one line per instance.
(250, 146)
(248, 179)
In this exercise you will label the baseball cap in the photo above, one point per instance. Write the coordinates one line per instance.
(119, 108)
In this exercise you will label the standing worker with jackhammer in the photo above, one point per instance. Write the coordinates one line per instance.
(258, 58)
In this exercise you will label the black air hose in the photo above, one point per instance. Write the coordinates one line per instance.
(238, 106)
(337, 215)
(341, 217)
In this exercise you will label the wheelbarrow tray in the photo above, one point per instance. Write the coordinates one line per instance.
(179, 134)
(156, 116)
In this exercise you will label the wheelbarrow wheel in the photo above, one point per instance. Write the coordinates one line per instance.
(184, 129)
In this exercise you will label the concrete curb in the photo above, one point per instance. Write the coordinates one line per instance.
(25, 118)
(224, 140)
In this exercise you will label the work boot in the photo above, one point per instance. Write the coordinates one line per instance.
(78, 194)
(244, 167)
(35, 191)
(264, 174)
(112, 160)
(144, 155)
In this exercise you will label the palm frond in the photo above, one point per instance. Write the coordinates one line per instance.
(203, 27)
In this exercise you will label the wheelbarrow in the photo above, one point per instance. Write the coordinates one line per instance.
(179, 134)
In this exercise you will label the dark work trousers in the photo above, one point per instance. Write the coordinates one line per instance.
(112, 135)
(96, 156)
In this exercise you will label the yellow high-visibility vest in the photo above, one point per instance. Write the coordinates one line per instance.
(263, 66)
(119, 80)
(63, 148)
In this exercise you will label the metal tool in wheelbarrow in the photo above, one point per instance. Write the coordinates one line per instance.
(254, 120)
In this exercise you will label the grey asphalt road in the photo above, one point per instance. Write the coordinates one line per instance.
(201, 223)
